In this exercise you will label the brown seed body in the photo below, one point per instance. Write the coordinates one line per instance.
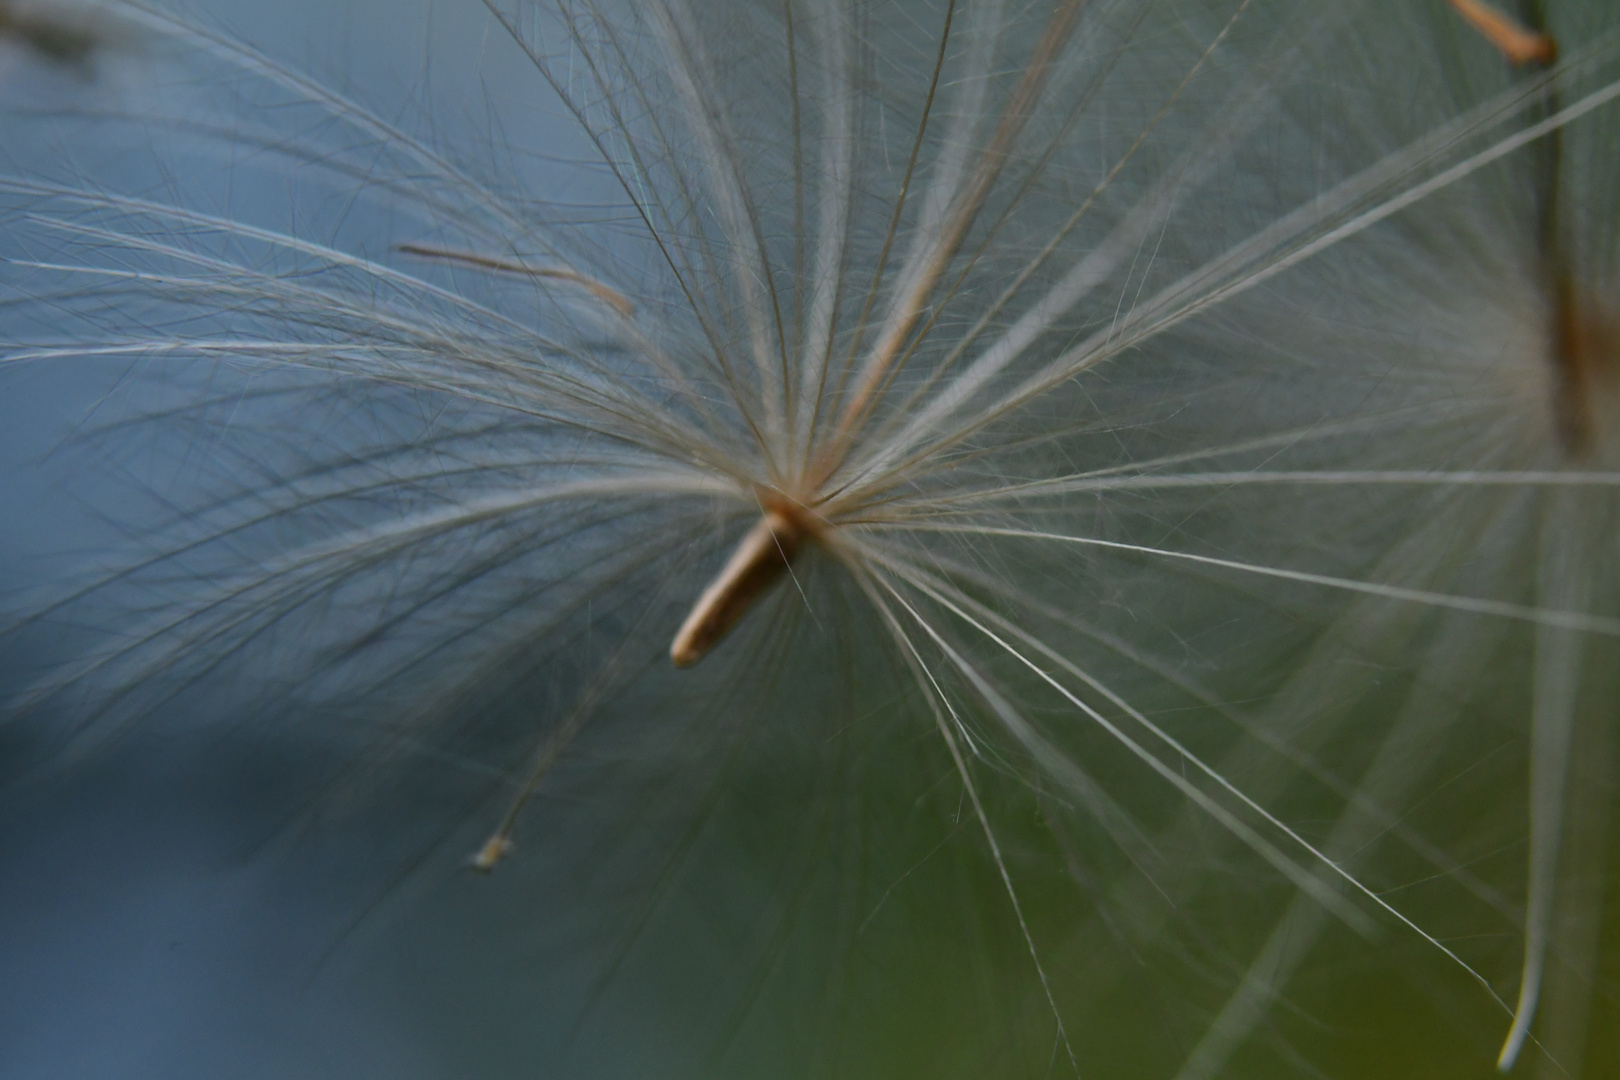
(764, 552)
(1518, 43)
(1586, 362)
(64, 40)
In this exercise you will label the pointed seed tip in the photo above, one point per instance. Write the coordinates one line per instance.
(489, 856)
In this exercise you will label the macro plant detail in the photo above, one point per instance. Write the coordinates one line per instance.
(1160, 455)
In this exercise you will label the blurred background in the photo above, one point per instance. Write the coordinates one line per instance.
(748, 892)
